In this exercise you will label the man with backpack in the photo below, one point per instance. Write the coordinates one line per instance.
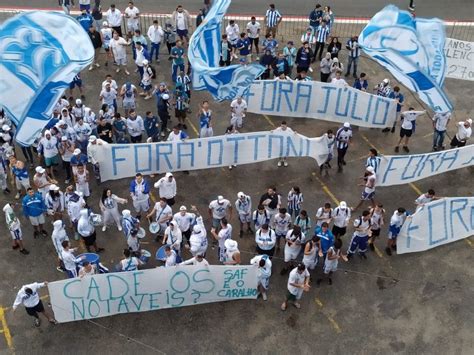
(149, 73)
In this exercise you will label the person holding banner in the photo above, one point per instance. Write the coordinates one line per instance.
(361, 236)
(264, 265)
(196, 260)
(69, 260)
(425, 198)
(396, 222)
(408, 127)
(28, 296)
(298, 282)
(283, 129)
(463, 134)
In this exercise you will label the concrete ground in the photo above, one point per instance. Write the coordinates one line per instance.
(413, 304)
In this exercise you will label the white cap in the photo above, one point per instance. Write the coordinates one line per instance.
(335, 60)
(343, 204)
(183, 208)
(64, 138)
(126, 213)
(240, 194)
(145, 62)
(197, 229)
(47, 132)
(53, 187)
(165, 96)
(78, 102)
(347, 125)
(469, 121)
(167, 175)
(92, 138)
(105, 23)
(76, 151)
(220, 198)
(40, 169)
(5, 127)
(386, 81)
(231, 245)
(370, 169)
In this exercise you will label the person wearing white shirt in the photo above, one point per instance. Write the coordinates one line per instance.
(239, 109)
(324, 214)
(108, 96)
(164, 214)
(281, 223)
(243, 206)
(294, 240)
(155, 33)
(29, 297)
(337, 80)
(341, 216)
(197, 260)
(185, 220)
(283, 129)
(167, 188)
(135, 127)
(69, 260)
(198, 240)
(298, 282)
(110, 81)
(224, 233)
(264, 272)
(265, 238)
(463, 134)
(440, 123)
(173, 237)
(253, 31)
(396, 223)
(118, 44)
(132, 14)
(218, 210)
(114, 18)
(425, 198)
(170, 257)
(408, 127)
(233, 32)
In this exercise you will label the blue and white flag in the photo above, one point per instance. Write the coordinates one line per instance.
(40, 53)
(204, 50)
(412, 49)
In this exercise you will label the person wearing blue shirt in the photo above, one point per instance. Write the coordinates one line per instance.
(243, 45)
(119, 126)
(315, 17)
(361, 83)
(85, 20)
(151, 126)
(177, 53)
(326, 238)
(398, 96)
(33, 208)
(270, 44)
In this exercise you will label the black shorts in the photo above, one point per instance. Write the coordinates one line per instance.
(405, 132)
(340, 231)
(254, 41)
(180, 113)
(187, 234)
(90, 240)
(170, 201)
(33, 311)
(266, 252)
(375, 232)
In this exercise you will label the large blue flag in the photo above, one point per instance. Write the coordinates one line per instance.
(40, 53)
(224, 83)
(412, 49)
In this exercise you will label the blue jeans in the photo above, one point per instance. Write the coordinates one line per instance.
(155, 48)
(174, 70)
(349, 65)
(438, 138)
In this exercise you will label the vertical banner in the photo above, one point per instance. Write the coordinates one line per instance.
(460, 58)
(147, 290)
(437, 223)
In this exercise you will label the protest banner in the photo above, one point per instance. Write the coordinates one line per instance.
(460, 59)
(436, 223)
(322, 101)
(125, 160)
(403, 169)
(147, 290)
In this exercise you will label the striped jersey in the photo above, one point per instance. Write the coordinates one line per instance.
(374, 162)
(342, 138)
(272, 17)
(353, 47)
(322, 34)
(184, 81)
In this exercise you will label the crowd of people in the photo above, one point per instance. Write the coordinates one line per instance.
(281, 229)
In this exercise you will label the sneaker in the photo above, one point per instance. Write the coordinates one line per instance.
(279, 163)
(283, 306)
(127, 72)
(371, 246)
(318, 282)
(6, 191)
(104, 228)
(37, 322)
(17, 196)
(24, 251)
(97, 65)
(363, 256)
(264, 296)
(53, 321)
(354, 76)
(91, 67)
(329, 281)
(117, 70)
(106, 64)
(405, 148)
(230, 167)
(83, 98)
(44, 233)
(297, 305)
(392, 130)
(148, 97)
(339, 169)
(66, 181)
(388, 251)
(60, 269)
(344, 162)
(385, 130)
(119, 228)
(411, 8)
(397, 149)
(285, 164)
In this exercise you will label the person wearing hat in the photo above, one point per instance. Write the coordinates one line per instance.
(198, 240)
(167, 188)
(132, 14)
(343, 139)
(58, 237)
(341, 216)
(54, 201)
(232, 253)
(383, 89)
(368, 193)
(221, 237)
(106, 36)
(140, 193)
(29, 297)
(173, 237)
(408, 127)
(218, 210)
(289, 51)
(243, 206)
(264, 271)
(162, 104)
(83, 131)
(77, 158)
(135, 126)
(185, 220)
(48, 149)
(33, 208)
(42, 181)
(155, 34)
(93, 151)
(298, 282)
(463, 134)
(146, 81)
(14, 226)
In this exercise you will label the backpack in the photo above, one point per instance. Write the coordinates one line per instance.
(153, 72)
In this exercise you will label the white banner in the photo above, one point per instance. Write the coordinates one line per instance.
(322, 101)
(460, 59)
(125, 160)
(439, 222)
(403, 169)
(147, 290)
